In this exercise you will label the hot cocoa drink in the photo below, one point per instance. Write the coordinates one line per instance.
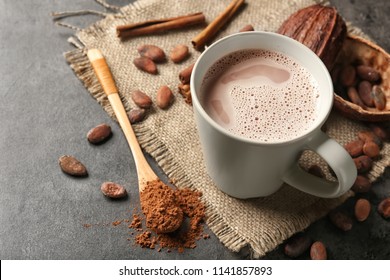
(261, 95)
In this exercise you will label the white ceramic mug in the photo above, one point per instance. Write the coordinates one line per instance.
(245, 168)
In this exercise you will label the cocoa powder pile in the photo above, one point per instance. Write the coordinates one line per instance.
(173, 217)
(160, 207)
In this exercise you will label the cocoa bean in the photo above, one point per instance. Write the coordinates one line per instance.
(145, 64)
(246, 28)
(340, 220)
(141, 99)
(362, 209)
(379, 97)
(365, 89)
(297, 245)
(113, 190)
(361, 184)
(99, 133)
(184, 90)
(380, 132)
(179, 53)
(354, 148)
(371, 149)
(318, 251)
(368, 73)
(136, 115)
(384, 208)
(363, 164)
(153, 52)
(72, 166)
(367, 135)
(335, 74)
(164, 97)
(354, 97)
(316, 171)
(348, 76)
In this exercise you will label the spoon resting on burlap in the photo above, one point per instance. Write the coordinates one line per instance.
(163, 215)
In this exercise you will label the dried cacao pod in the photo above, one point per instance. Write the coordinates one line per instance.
(359, 51)
(320, 28)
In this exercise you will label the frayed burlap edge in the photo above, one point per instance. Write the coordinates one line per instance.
(152, 145)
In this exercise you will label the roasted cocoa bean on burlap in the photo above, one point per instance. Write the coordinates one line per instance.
(153, 52)
(141, 99)
(179, 53)
(145, 64)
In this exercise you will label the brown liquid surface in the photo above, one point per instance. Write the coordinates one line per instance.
(261, 95)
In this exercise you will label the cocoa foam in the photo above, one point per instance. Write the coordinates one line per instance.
(261, 95)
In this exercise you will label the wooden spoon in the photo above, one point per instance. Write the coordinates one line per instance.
(144, 171)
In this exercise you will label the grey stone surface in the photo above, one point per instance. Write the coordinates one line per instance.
(45, 112)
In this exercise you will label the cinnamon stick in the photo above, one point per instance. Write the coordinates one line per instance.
(203, 37)
(159, 25)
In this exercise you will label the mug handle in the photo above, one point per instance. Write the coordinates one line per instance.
(337, 158)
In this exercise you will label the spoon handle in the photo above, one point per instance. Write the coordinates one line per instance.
(103, 73)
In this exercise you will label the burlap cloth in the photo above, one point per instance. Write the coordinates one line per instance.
(170, 136)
